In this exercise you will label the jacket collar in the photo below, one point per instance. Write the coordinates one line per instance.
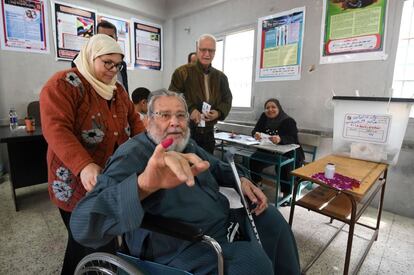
(201, 68)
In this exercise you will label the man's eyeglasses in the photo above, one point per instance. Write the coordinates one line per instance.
(166, 116)
(204, 50)
(109, 65)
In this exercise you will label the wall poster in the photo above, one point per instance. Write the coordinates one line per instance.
(73, 26)
(147, 45)
(24, 26)
(353, 31)
(280, 43)
(123, 34)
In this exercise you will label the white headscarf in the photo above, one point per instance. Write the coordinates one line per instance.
(97, 45)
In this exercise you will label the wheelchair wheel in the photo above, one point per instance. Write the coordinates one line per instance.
(105, 263)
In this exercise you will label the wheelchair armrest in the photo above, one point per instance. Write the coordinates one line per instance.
(171, 227)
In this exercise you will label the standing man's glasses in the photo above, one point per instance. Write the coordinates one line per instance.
(204, 50)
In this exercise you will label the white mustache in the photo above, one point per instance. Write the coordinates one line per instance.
(175, 132)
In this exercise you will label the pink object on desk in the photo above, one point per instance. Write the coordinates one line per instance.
(339, 181)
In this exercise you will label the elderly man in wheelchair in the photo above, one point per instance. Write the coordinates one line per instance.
(163, 172)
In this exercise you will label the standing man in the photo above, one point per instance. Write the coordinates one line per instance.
(105, 27)
(206, 92)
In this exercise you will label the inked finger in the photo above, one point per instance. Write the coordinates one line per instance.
(161, 148)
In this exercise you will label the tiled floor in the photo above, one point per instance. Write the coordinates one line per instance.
(32, 241)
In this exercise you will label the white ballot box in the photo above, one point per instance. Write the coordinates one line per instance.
(370, 128)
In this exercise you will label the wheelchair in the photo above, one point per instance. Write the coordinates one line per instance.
(105, 263)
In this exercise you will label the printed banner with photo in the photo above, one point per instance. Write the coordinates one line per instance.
(353, 30)
(73, 26)
(280, 43)
(123, 31)
(147, 45)
(24, 26)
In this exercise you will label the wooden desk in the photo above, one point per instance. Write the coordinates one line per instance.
(344, 205)
(27, 158)
(271, 154)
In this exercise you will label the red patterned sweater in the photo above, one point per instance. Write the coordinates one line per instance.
(81, 128)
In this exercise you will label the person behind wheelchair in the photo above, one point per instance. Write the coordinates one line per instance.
(163, 172)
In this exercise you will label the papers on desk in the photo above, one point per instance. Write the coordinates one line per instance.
(250, 141)
(267, 144)
(264, 138)
(266, 141)
(282, 149)
(241, 139)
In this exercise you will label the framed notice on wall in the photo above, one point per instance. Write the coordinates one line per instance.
(24, 26)
(73, 26)
(123, 34)
(353, 31)
(147, 45)
(279, 45)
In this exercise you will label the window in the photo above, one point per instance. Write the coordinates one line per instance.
(403, 83)
(234, 56)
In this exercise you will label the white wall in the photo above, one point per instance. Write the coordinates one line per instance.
(142, 8)
(22, 75)
(373, 78)
(181, 8)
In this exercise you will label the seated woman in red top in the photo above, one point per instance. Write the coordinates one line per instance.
(279, 128)
(85, 116)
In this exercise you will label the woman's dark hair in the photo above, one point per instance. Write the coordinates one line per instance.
(189, 56)
(275, 101)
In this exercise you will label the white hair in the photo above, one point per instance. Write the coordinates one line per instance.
(163, 92)
(206, 36)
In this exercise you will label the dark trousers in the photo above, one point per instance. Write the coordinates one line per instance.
(75, 252)
(278, 255)
(204, 137)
